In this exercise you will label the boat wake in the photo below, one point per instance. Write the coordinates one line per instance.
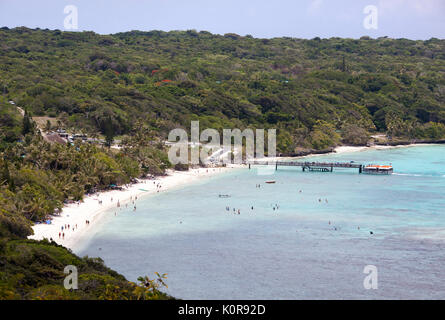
(418, 175)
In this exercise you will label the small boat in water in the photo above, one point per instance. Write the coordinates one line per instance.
(378, 169)
(271, 182)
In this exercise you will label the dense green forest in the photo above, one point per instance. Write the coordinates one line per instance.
(139, 85)
(317, 93)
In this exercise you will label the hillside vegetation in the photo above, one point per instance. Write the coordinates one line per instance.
(317, 93)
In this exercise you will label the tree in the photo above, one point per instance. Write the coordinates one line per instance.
(354, 135)
(28, 126)
(109, 132)
(48, 126)
(324, 135)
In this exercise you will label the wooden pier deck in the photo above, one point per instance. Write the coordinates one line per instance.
(310, 165)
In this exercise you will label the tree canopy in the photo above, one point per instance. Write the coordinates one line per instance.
(166, 79)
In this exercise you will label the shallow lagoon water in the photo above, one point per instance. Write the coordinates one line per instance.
(305, 249)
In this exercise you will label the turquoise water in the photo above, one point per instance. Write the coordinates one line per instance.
(305, 249)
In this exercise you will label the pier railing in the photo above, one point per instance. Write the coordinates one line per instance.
(310, 165)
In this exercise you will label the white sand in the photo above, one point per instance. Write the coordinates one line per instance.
(346, 149)
(75, 215)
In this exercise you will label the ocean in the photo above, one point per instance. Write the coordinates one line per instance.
(308, 235)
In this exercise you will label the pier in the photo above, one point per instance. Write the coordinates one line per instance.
(311, 166)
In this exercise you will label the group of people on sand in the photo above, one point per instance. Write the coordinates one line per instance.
(66, 228)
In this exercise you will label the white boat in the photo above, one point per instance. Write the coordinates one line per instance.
(378, 169)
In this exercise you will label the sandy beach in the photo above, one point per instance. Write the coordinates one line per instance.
(340, 149)
(93, 207)
(346, 149)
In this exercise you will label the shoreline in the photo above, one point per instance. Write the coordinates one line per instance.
(348, 149)
(92, 210)
(76, 214)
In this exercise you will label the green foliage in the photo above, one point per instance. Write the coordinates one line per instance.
(10, 128)
(354, 135)
(27, 124)
(34, 270)
(324, 135)
(165, 79)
